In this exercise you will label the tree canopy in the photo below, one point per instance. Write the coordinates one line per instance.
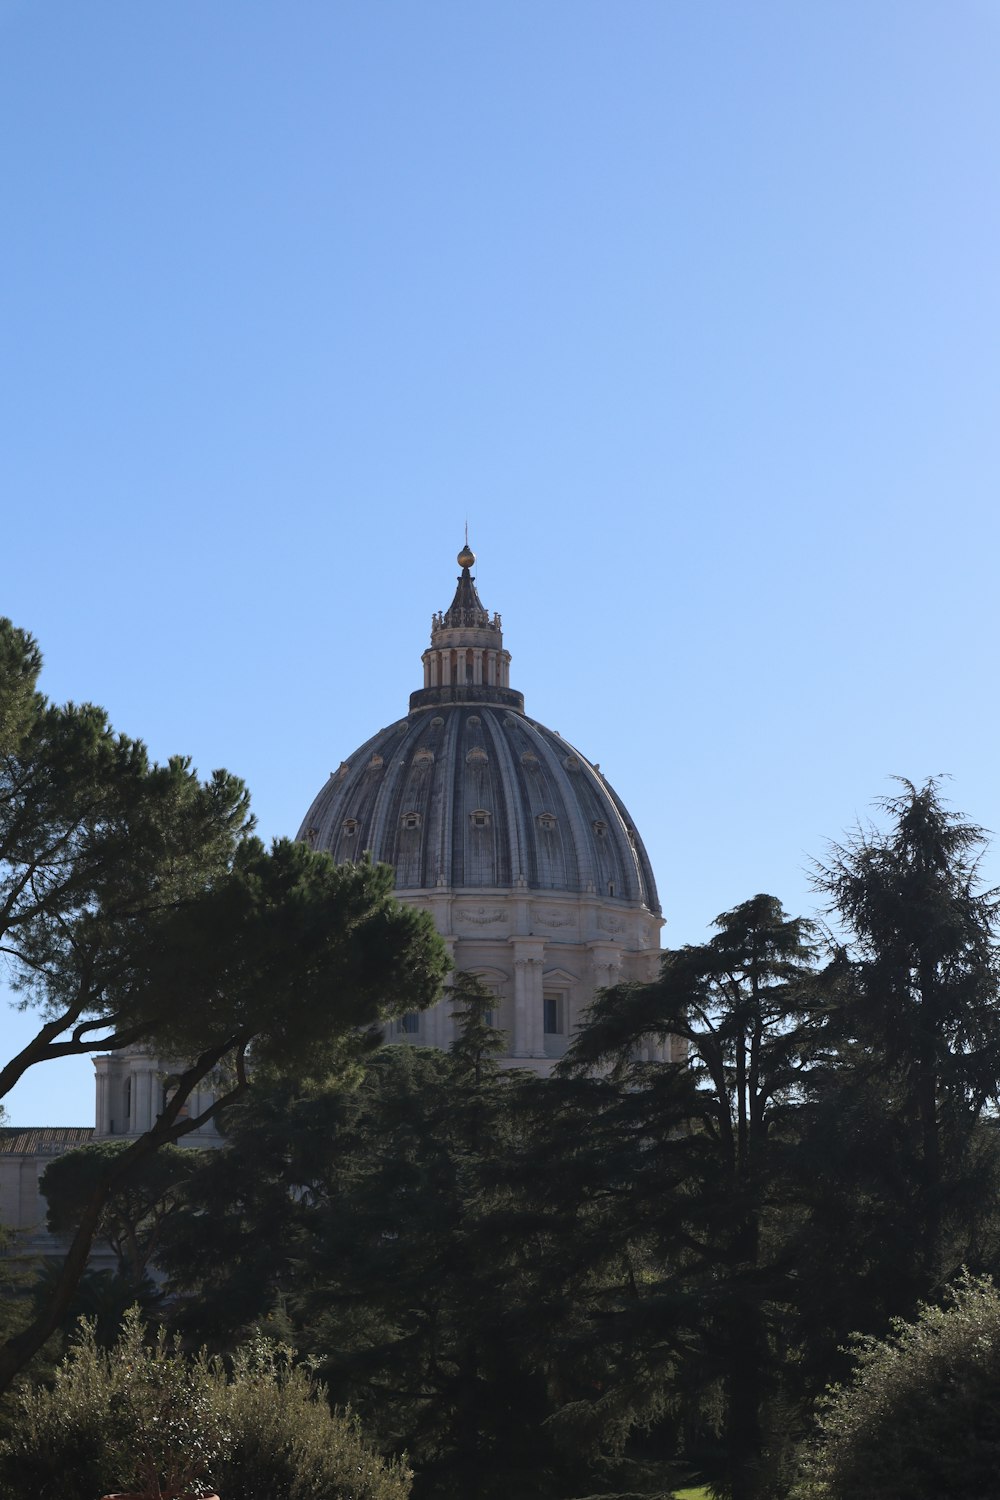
(136, 906)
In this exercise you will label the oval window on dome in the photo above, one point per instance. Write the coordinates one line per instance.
(436, 722)
(530, 760)
(424, 757)
(572, 763)
(475, 719)
(477, 757)
(376, 762)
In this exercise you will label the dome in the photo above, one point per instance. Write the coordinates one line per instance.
(516, 844)
(473, 796)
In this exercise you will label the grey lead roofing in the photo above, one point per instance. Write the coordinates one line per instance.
(471, 795)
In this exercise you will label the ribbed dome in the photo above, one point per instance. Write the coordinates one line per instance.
(513, 843)
(476, 795)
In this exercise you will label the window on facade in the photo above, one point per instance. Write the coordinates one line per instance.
(128, 1098)
(552, 1015)
(492, 1016)
(408, 1025)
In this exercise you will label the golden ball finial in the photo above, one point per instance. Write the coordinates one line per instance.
(466, 558)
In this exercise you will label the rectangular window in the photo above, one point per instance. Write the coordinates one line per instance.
(408, 1025)
(552, 1009)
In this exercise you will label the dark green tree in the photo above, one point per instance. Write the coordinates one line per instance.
(478, 1043)
(133, 1218)
(136, 906)
(348, 1212)
(913, 1016)
(714, 1132)
(437, 1239)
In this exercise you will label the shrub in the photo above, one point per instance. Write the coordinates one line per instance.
(135, 1417)
(143, 1417)
(285, 1444)
(920, 1418)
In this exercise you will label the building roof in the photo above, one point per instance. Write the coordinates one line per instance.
(43, 1140)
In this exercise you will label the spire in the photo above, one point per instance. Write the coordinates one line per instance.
(466, 609)
(466, 662)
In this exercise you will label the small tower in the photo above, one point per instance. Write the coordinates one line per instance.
(465, 661)
(133, 1088)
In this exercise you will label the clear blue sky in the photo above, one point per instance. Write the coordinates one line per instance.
(691, 308)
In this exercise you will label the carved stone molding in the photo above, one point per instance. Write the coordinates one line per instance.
(483, 916)
(610, 924)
